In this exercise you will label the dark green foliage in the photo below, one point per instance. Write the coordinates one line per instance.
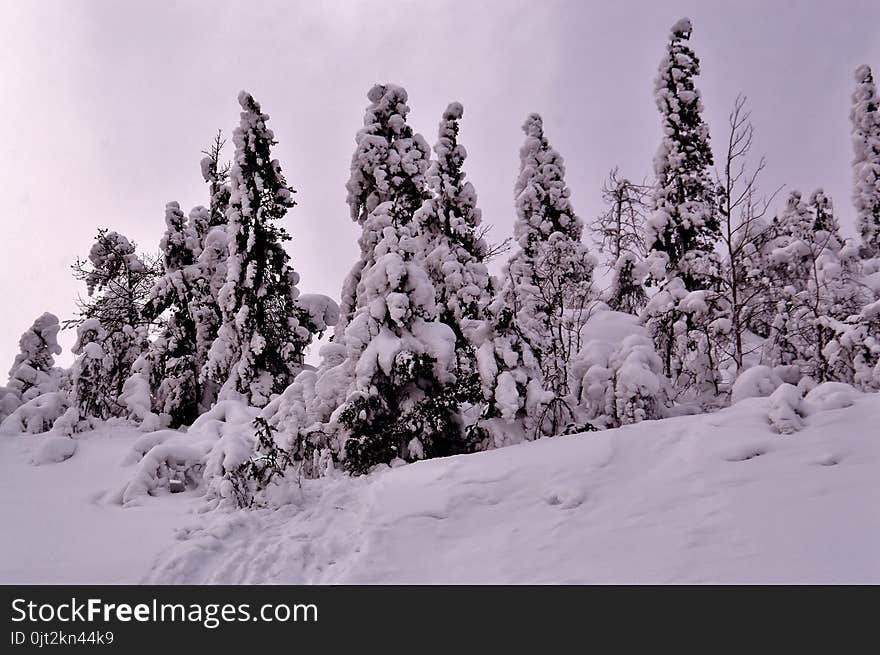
(406, 405)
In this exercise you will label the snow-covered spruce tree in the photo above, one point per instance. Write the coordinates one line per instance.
(173, 364)
(389, 164)
(260, 344)
(545, 298)
(865, 117)
(33, 372)
(209, 277)
(627, 292)
(400, 401)
(683, 227)
(385, 388)
(620, 233)
(816, 285)
(93, 392)
(111, 322)
(455, 252)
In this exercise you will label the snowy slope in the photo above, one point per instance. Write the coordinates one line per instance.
(708, 498)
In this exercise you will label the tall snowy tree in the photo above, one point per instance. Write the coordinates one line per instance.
(388, 165)
(118, 282)
(456, 252)
(684, 228)
(546, 295)
(865, 117)
(261, 342)
(209, 224)
(398, 403)
(174, 374)
(687, 317)
(385, 388)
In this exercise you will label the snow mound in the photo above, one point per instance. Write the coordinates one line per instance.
(785, 409)
(829, 395)
(54, 449)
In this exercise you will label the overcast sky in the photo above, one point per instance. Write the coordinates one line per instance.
(107, 105)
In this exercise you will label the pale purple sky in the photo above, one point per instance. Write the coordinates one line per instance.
(107, 105)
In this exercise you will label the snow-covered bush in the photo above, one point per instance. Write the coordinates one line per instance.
(36, 415)
(639, 385)
(9, 401)
(853, 353)
(619, 383)
(137, 399)
(204, 457)
(163, 463)
(756, 382)
(816, 289)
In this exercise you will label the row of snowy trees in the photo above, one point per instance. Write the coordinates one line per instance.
(430, 354)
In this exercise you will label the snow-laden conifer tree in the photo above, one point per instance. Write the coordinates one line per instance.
(385, 388)
(209, 277)
(455, 252)
(683, 228)
(33, 372)
(688, 330)
(865, 117)
(815, 288)
(545, 297)
(400, 400)
(93, 391)
(627, 292)
(388, 165)
(111, 322)
(260, 344)
(173, 365)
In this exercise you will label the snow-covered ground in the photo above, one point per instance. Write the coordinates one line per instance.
(719, 497)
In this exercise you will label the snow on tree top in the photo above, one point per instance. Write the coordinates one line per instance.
(682, 28)
(863, 74)
(379, 91)
(534, 126)
(247, 102)
(453, 112)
